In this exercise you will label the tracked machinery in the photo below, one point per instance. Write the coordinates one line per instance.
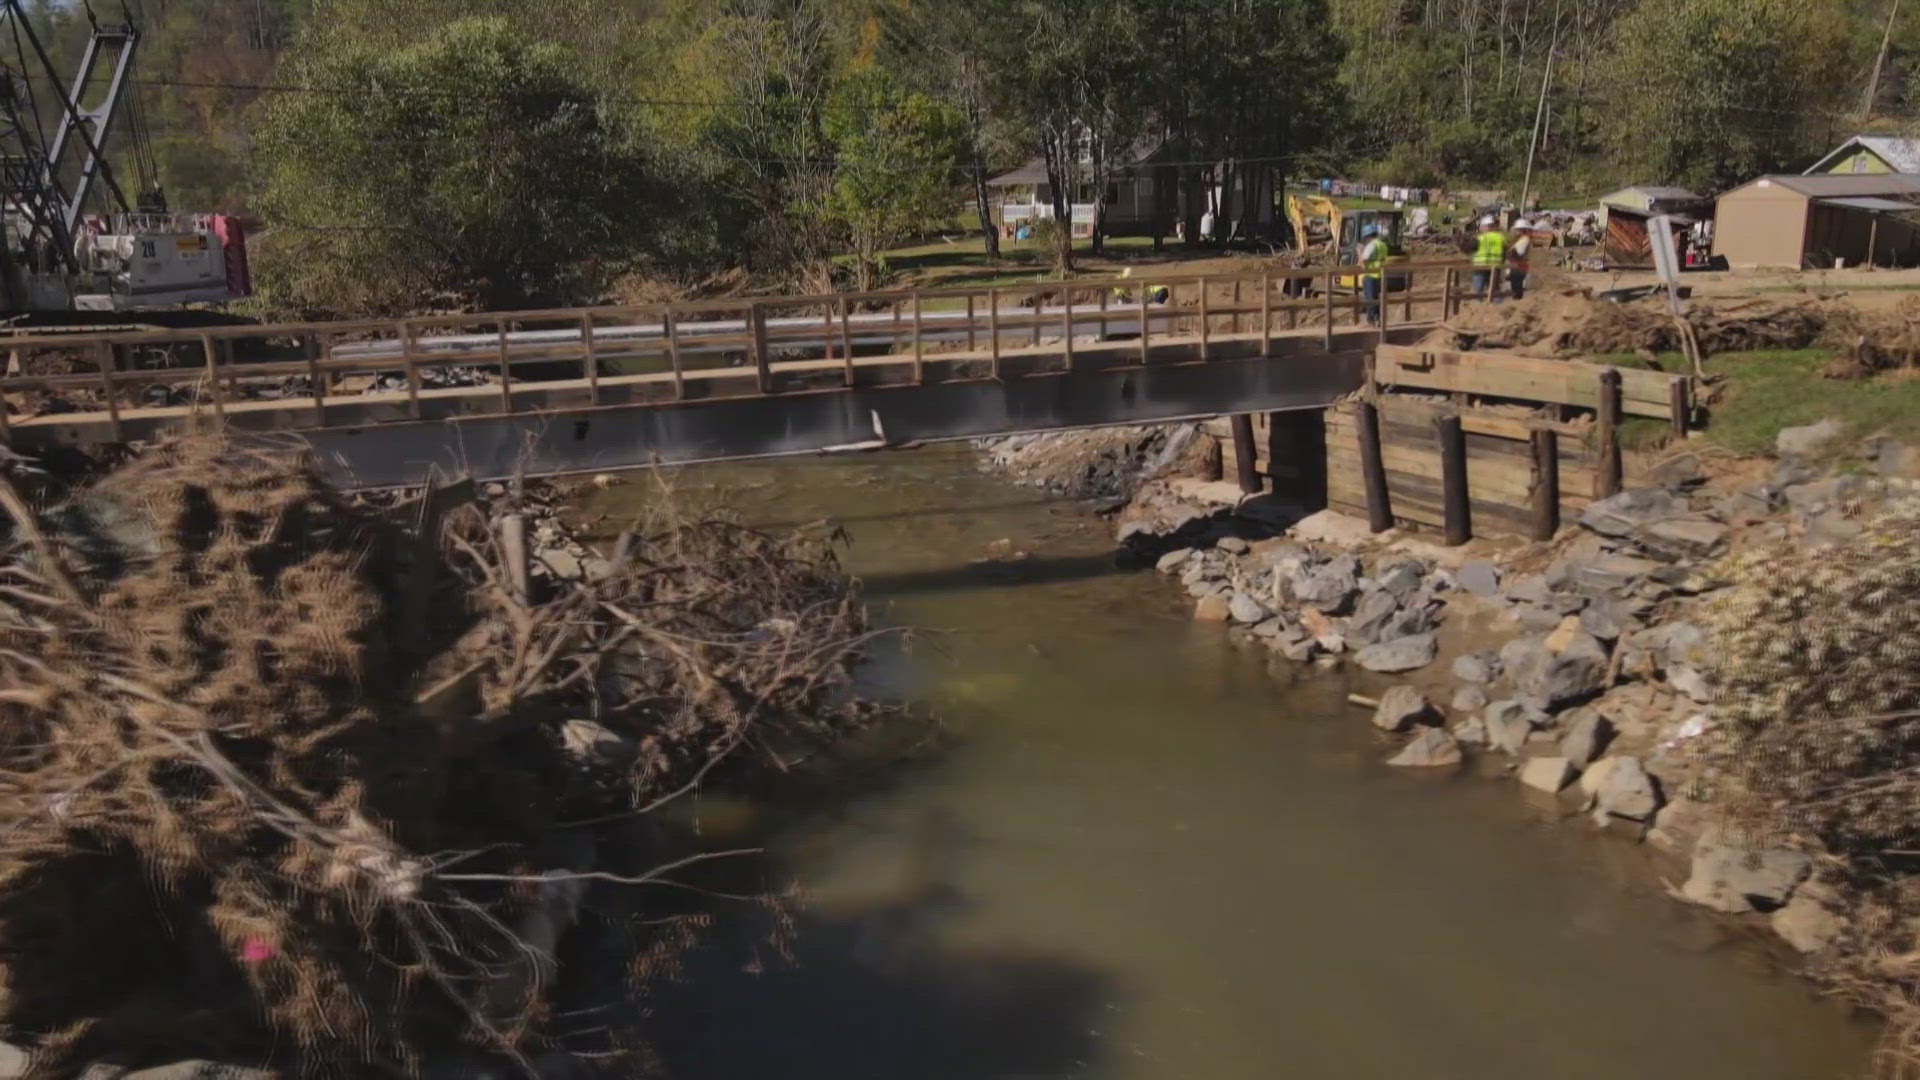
(73, 247)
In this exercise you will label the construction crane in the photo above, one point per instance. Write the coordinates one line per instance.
(56, 255)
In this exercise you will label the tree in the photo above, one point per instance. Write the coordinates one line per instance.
(1714, 92)
(896, 164)
(472, 168)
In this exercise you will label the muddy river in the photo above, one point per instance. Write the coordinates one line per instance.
(1143, 857)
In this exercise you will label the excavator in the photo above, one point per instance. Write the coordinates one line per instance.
(1319, 220)
(62, 257)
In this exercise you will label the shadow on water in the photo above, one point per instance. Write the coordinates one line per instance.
(871, 993)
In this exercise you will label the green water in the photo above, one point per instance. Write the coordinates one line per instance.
(1144, 856)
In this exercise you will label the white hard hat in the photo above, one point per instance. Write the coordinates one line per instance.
(1523, 223)
(1487, 222)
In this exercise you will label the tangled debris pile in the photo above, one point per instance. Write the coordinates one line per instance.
(1814, 664)
(1574, 323)
(285, 782)
(1095, 462)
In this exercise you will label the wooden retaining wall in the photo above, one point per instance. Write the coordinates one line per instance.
(1512, 412)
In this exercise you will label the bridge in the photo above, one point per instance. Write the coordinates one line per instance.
(387, 403)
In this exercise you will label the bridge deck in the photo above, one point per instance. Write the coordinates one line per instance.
(608, 388)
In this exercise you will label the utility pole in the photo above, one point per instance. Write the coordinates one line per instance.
(1879, 64)
(1539, 113)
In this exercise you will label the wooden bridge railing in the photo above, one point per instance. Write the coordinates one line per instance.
(497, 360)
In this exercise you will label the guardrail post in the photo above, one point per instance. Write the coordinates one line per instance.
(1680, 402)
(1406, 310)
(1606, 479)
(212, 355)
(104, 358)
(672, 320)
(589, 361)
(1446, 295)
(315, 378)
(1456, 506)
(993, 328)
(1266, 313)
(846, 341)
(1146, 323)
(1066, 325)
(758, 316)
(919, 355)
(1244, 465)
(1233, 321)
(972, 341)
(1329, 299)
(413, 371)
(1103, 313)
(1546, 483)
(506, 366)
(1039, 309)
(1203, 319)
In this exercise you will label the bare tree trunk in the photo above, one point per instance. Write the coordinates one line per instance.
(984, 207)
(1879, 64)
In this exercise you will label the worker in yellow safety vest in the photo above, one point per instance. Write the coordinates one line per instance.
(1373, 255)
(1489, 255)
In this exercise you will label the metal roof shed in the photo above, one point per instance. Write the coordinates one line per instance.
(1817, 221)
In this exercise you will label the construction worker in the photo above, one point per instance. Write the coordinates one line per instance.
(1489, 253)
(1517, 251)
(1373, 256)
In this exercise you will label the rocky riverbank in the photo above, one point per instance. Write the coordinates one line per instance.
(1584, 669)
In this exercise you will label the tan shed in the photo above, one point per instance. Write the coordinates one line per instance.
(1819, 221)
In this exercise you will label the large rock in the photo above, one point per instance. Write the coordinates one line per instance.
(1471, 732)
(1683, 538)
(1508, 724)
(1245, 609)
(1734, 878)
(1401, 579)
(1371, 616)
(1401, 708)
(1548, 774)
(1482, 668)
(1468, 699)
(1479, 577)
(1552, 677)
(1609, 574)
(1431, 748)
(1173, 560)
(1626, 513)
(1213, 607)
(1587, 738)
(1232, 545)
(1330, 588)
(1808, 439)
(1807, 923)
(14, 1062)
(1400, 654)
(1621, 787)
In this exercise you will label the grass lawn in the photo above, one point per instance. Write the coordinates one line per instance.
(1767, 391)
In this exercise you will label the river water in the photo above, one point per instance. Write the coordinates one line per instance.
(1141, 855)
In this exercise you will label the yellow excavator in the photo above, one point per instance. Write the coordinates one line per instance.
(1317, 220)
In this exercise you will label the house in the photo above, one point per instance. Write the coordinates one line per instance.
(1245, 194)
(1024, 195)
(1624, 214)
(1870, 154)
(1820, 221)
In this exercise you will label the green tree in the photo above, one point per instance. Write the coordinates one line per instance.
(471, 168)
(897, 157)
(1715, 92)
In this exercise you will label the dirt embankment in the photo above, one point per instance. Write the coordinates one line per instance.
(288, 784)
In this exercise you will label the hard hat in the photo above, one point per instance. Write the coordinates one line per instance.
(1370, 230)
(1523, 223)
(1128, 272)
(1487, 222)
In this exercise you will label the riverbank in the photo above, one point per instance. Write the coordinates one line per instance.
(1598, 673)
